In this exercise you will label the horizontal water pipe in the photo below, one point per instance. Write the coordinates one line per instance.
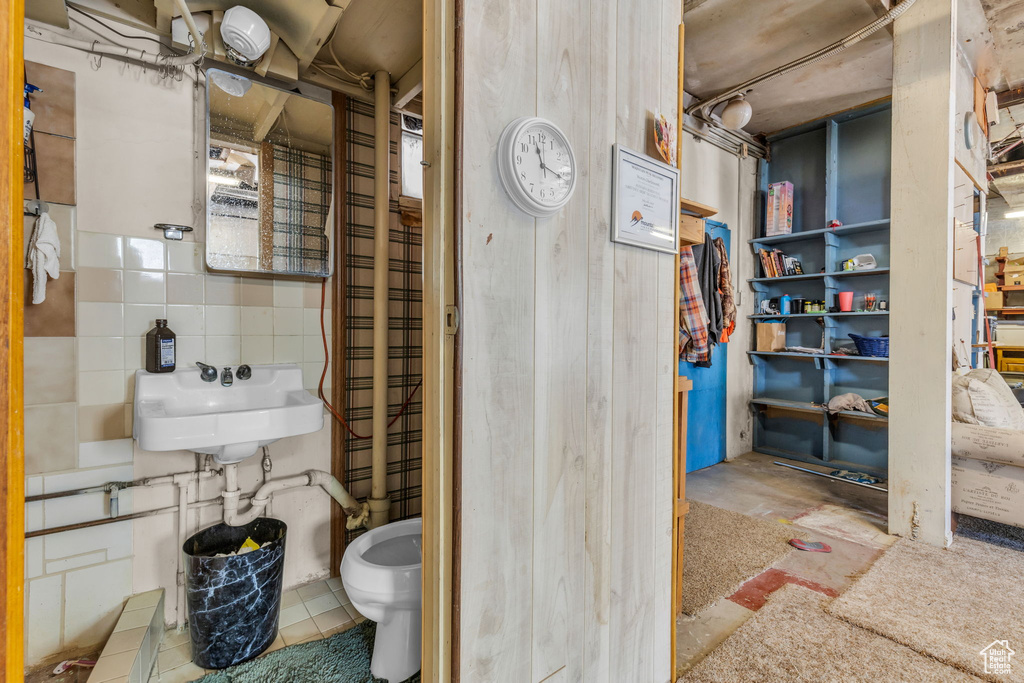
(357, 512)
(102, 48)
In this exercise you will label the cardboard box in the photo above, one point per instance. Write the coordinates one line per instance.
(988, 490)
(779, 209)
(993, 300)
(771, 336)
(691, 230)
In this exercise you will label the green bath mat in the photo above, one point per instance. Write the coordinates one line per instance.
(342, 658)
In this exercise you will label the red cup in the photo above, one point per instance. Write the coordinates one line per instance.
(845, 301)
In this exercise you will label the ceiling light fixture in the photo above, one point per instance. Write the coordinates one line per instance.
(245, 34)
(1014, 214)
(737, 113)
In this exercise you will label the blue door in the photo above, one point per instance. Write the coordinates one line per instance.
(705, 428)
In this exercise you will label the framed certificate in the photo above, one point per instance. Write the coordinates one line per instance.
(645, 202)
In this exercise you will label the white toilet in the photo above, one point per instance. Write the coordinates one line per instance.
(381, 573)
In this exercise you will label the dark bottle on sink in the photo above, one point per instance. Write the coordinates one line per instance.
(160, 342)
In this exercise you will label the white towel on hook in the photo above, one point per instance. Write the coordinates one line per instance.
(44, 255)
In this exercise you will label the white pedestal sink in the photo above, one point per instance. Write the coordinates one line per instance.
(179, 411)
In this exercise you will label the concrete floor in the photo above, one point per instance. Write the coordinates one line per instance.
(851, 519)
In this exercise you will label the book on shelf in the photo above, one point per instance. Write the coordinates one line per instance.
(774, 263)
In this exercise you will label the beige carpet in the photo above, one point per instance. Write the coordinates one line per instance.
(946, 603)
(791, 638)
(722, 549)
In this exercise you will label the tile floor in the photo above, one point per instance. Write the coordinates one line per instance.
(849, 518)
(312, 612)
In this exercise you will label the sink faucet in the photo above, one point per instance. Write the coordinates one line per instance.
(225, 378)
(208, 373)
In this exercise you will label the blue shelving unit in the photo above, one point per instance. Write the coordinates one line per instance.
(839, 168)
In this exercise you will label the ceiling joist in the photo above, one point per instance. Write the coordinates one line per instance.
(409, 85)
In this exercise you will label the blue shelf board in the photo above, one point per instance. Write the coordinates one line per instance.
(813, 276)
(817, 315)
(853, 228)
(833, 356)
(856, 273)
(805, 407)
(788, 278)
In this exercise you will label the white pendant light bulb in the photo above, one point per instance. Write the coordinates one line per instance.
(737, 113)
(246, 34)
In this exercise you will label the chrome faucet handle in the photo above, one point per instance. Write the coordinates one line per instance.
(208, 373)
(225, 378)
(243, 372)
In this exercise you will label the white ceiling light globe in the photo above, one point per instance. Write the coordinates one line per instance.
(737, 113)
(245, 32)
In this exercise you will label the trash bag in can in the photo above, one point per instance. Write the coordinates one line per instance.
(234, 600)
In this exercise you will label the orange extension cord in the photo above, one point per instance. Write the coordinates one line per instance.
(327, 359)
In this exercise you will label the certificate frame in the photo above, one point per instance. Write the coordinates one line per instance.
(645, 201)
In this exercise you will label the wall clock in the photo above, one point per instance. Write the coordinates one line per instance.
(537, 166)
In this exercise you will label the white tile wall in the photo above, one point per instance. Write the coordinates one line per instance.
(101, 388)
(43, 616)
(100, 319)
(93, 599)
(288, 293)
(97, 250)
(223, 320)
(144, 254)
(100, 353)
(258, 350)
(105, 453)
(142, 287)
(185, 257)
(77, 580)
(257, 320)
(186, 320)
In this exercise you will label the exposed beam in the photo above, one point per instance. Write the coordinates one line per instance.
(268, 115)
(410, 85)
(268, 56)
(1011, 97)
(1006, 169)
(165, 11)
(309, 50)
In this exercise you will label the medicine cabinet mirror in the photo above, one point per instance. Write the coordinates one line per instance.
(269, 179)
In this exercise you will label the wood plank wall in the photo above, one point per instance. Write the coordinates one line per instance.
(568, 358)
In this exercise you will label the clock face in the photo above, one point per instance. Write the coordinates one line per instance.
(543, 164)
(537, 166)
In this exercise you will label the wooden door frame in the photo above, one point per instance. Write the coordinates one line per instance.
(441, 200)
(12, 463)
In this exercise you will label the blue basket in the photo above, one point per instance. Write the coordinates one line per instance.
(871, 346)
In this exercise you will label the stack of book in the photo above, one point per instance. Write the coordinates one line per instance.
(774, 263)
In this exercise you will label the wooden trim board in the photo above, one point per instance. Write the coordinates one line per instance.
(440, 214)
(12, 491)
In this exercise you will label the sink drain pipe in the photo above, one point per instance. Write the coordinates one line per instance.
(357, 512)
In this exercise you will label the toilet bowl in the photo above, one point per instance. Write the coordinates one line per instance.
(381, 573)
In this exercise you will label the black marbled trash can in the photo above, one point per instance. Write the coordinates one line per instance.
(233, 602)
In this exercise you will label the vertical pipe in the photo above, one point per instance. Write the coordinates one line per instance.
(183, 487)
(379, 502)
